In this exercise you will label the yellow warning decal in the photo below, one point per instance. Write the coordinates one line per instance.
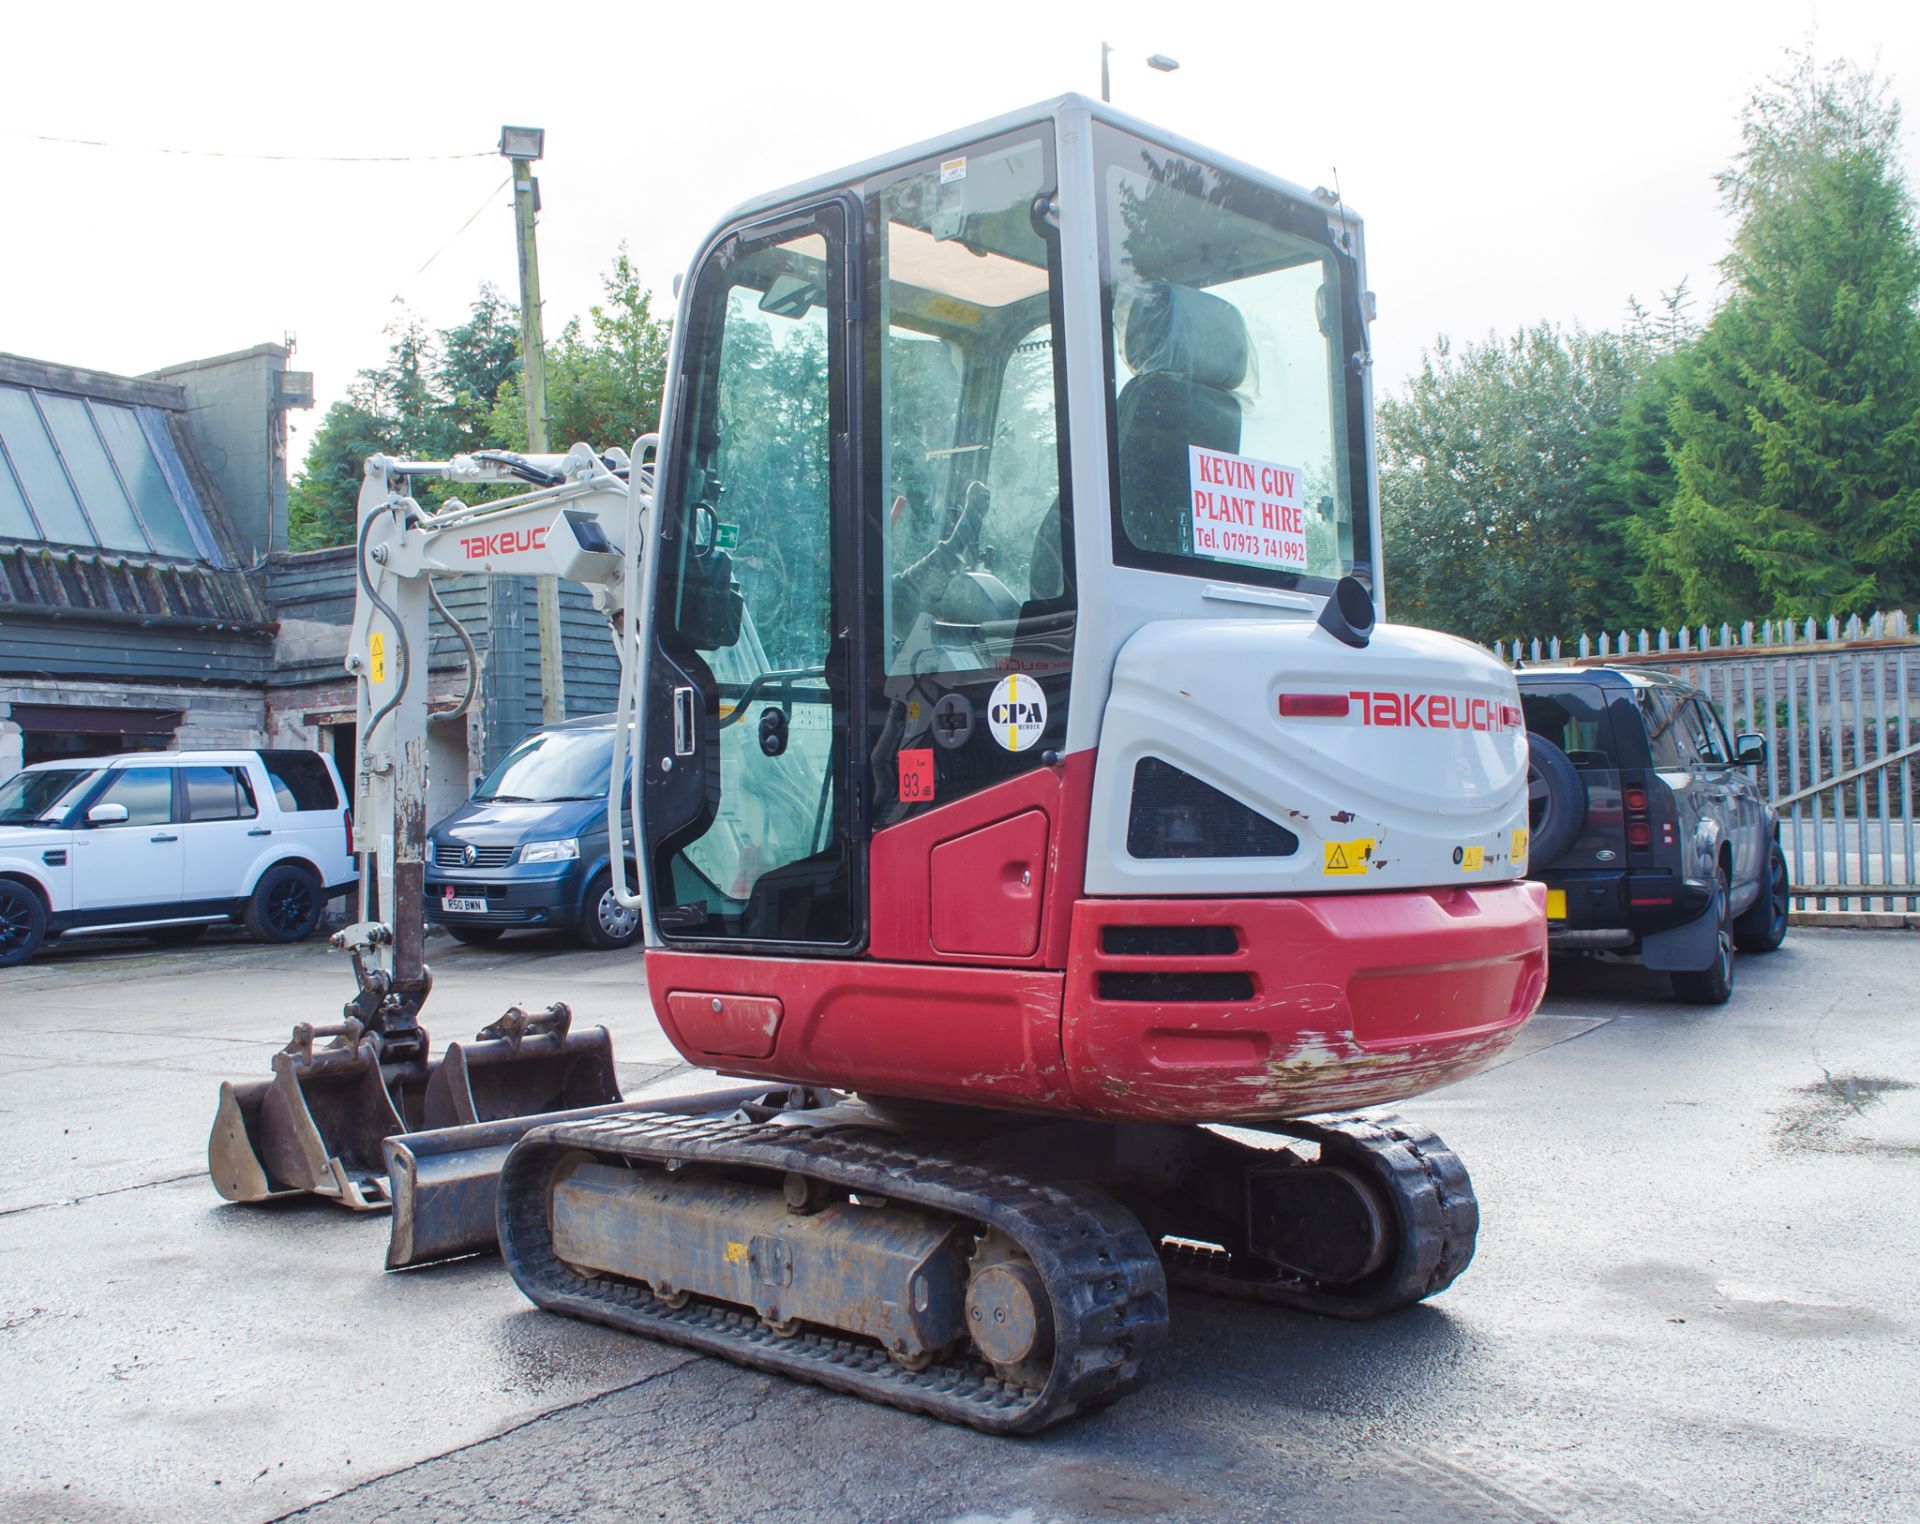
(736, 1254)
(1518, 851)
(1471, 858)
(1556, 904)
(1347, 856)
(377, 652)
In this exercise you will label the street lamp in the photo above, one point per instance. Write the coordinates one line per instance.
(523, 145)
(522, 142)
(1158, 61)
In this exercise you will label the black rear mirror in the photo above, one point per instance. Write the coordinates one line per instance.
(1750, 749)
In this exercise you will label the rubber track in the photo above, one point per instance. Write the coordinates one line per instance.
(1432, 1198)
(1103, 1277)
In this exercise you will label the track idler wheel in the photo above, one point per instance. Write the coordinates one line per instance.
(1007, 1313)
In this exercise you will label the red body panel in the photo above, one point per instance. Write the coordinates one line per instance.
(914, 907)
(979, 1036)
(989, 887)
(1351, 1000)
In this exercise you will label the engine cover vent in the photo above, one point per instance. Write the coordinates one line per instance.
(1174, 814)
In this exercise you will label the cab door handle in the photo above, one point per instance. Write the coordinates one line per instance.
(683, 728)
(261, 831)
(164, 836)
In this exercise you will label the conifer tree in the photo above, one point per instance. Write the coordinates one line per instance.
(1795, 421)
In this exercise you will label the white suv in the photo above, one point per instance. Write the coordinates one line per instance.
(169, 843)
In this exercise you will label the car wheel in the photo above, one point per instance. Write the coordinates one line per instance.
(177, 936)
(474, 936)
(1762, 926)
(285, 906)
(1713, 984)
(604, 921)
(23, 923)
(1556, 801)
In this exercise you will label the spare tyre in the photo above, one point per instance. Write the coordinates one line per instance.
(1556, 801)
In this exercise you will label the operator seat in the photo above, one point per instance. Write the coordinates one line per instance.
(1188, 351)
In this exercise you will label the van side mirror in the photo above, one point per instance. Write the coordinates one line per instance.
(1750, 749)
(107, 814)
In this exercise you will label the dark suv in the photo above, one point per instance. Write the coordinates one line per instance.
(1650, 830)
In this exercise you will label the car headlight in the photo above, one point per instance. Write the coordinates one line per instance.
(550, 851)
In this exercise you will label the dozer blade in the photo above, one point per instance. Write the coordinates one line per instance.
(444, 1183)
(319, 1124)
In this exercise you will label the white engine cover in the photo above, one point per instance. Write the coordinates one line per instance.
(1422, 783)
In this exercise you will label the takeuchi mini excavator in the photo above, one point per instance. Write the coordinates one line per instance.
(1025, 798)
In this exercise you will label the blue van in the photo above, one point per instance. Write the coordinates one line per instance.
(529, 849)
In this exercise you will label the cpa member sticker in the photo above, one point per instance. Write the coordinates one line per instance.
(1017, 712)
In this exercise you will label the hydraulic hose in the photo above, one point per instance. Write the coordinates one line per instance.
(399, 637)
(473, 657)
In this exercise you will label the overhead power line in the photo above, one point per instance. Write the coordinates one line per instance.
(275, 158)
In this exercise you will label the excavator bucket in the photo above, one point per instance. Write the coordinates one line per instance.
(520, 1066)
(318, 1125)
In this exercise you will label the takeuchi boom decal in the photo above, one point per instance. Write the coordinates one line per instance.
(508, 542)
(1434, 711)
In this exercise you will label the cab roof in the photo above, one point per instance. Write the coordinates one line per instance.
(1041, 111)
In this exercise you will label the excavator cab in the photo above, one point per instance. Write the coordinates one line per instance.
(1003, 740)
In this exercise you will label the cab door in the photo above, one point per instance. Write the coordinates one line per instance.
(754, 819)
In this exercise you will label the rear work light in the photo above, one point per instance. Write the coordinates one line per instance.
(1326, 706)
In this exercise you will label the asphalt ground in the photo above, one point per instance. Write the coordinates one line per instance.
(1694, 1294)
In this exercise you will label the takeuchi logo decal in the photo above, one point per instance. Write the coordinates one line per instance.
(1435, 711)
(508, 542)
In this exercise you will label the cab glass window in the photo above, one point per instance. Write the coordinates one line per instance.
(973, 532)
(1230, 320)
(147, 792)
(218, 793)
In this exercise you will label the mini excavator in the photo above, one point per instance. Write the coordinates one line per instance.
(1026, 799)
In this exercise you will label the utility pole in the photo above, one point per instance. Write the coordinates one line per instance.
(523, 145)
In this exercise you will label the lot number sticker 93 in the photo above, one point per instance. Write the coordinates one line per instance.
(1017, 712)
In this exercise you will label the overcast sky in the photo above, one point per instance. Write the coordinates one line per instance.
(1513, 162)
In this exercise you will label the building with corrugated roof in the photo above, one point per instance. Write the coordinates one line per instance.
(148, 602)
